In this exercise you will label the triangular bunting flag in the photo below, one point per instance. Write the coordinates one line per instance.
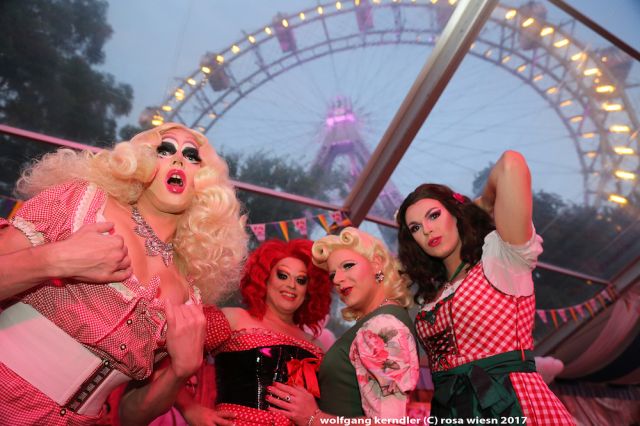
(336, 216)
(322, 220)
(554, 318)
(594, 305)
(6, 206)
(284, 228)
(586, 305)
(580, 311)
(572, 311)
(542, 314)
(15, 209)
(301, 225)
(563, 315)
(258, 230)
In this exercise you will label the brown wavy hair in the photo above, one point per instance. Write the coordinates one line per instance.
(473, 223)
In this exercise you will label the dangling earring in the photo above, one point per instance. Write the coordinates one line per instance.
(379, 277)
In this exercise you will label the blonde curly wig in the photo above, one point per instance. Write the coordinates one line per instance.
(210, 243)
(396, 286)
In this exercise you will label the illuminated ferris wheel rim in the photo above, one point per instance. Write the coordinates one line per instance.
(600, 120)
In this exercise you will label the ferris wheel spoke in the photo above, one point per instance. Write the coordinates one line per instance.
(277, 91)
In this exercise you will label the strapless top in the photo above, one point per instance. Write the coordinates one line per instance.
(242, 377)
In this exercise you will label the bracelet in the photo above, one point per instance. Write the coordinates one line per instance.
(313, 417)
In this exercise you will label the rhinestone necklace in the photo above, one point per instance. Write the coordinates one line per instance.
(154, 245)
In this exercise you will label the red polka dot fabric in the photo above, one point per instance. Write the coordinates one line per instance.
(218, 330)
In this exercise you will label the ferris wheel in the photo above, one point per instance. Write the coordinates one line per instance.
(286, 83)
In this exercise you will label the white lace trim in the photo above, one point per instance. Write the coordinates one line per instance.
(83, 206)
(447, 292)
(100, 214)
(29, 230)
(123, 290)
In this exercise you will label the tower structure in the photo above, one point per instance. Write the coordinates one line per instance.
(344, 146)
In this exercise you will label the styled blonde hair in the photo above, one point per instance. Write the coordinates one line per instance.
(210, 243)
(396, 286)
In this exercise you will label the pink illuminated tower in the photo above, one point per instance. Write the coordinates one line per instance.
(344, 147)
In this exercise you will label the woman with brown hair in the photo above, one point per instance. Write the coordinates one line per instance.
(477, 298)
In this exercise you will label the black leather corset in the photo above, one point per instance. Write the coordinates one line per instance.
(243, 377)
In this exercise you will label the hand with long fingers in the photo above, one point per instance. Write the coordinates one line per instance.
(88, 255)
(91, 254)
(185, 337)
(293, 402)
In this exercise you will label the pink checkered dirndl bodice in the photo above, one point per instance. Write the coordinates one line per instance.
(478, 321)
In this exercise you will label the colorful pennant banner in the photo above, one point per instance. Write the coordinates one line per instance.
(329, 221)
(300, 226)
(576, 312)
(333, 220)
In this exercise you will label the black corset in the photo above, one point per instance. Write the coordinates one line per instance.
(243, 377)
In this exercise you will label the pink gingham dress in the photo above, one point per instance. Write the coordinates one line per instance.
(120, 322)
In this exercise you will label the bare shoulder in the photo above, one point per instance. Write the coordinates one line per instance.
(316, 341)
(237, 317)
(319, 340)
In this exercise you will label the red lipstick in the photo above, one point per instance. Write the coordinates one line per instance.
(433, 242)
(176, 181)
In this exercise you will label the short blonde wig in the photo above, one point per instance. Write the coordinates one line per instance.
(396, 286)
(210, 243)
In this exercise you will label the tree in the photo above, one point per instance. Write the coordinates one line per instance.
(47, 82)
(281, 174)
(481, 179)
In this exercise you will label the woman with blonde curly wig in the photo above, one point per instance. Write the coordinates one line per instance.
(370, 370)
(169, 198)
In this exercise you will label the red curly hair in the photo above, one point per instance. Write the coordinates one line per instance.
(261, 261)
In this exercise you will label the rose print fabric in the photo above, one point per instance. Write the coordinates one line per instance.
(386, 362)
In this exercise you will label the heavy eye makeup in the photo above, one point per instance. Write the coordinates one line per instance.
(434, 214)
(413, 228)
(191, 154)
(166, 149)
(345, 266)
(348, 265)
(282, 275)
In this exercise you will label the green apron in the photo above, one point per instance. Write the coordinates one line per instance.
(480, 389)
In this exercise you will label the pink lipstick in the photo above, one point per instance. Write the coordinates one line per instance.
(176, 181)
(433, 242)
